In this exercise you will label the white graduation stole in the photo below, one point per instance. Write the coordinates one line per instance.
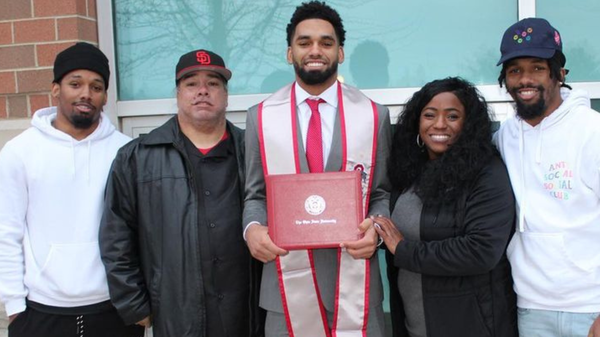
(301, 300)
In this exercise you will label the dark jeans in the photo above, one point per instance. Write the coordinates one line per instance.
(33, 323)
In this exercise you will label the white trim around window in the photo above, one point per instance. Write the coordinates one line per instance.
(106, 42)
(389, 97)
(526, 9)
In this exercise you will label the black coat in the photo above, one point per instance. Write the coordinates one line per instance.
(465, 275)
(150, 244)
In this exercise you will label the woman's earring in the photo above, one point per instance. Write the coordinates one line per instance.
(420, 143)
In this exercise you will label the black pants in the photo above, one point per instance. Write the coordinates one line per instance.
(33, 323)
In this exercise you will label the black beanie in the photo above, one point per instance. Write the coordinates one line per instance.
(81, 56)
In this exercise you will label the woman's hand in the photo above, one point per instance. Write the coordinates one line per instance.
(365, 247)
(388, 232)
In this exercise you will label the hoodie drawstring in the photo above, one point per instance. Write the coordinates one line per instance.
(73, 163)
(538, 152)
(89, 160)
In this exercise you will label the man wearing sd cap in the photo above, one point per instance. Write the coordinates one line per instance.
(170, 238)
(318, 124)
(552, 152)
(52, 179)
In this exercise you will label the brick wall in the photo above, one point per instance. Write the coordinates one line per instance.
(32, 32)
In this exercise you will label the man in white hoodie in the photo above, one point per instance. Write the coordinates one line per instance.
(552, 152)
(52, 179)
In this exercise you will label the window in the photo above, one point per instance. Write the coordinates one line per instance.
(392, 48)
(389, 43)
(578, 23)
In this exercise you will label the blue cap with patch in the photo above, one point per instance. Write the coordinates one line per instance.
(531, 37)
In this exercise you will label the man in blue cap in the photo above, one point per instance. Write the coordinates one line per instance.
(552, 152)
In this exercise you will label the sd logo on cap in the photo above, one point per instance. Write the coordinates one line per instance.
(201, 60)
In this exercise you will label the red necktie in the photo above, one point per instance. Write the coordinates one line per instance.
(314, 139)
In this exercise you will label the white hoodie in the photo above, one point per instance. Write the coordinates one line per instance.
(554, 169)
(51, 199)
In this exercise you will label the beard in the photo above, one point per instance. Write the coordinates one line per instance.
(315, 77)
(533, 110)
(83, 122)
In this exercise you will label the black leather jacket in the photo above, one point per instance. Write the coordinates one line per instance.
(465, 275)
(150, 245)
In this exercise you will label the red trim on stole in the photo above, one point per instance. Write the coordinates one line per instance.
(373, 154)
(373, 164)
(295, 127)
(342, 126)
(263, 155)
(343, 168)
(286, 311)
(261, 140)
(367, 287)
(336, 301)
(284, 305)
(318, 291)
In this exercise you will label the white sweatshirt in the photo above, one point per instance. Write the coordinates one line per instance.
(51, 200)
(554, 169)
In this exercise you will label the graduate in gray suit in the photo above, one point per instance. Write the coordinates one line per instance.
(315, 37)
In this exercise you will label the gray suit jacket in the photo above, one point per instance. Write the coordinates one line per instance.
(325, 259)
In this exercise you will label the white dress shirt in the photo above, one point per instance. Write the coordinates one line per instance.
(327, 110)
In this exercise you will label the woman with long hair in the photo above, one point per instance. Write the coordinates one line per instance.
(452, 216)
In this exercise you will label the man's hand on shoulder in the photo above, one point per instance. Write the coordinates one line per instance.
(260, 244)
(365, 247)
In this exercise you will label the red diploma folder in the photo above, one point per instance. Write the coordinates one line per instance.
(314, 210)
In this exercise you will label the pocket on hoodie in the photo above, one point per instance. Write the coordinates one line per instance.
(74, 270)
(547, 264)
